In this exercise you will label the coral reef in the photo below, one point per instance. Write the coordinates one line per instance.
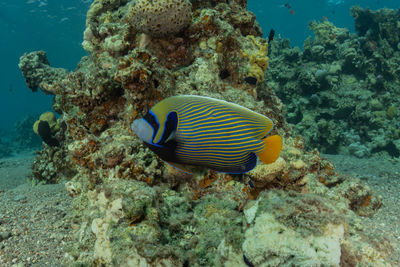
(36, 69)
(52, 164)
(132, 209)
(341, 92)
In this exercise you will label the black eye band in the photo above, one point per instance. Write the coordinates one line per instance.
(152, 120)
(169, 126)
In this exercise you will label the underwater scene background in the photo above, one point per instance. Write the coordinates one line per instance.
(79, 188)
(57, 26)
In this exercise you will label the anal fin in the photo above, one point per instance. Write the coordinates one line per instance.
(179, 167)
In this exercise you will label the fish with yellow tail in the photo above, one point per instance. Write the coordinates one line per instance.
(208, 132)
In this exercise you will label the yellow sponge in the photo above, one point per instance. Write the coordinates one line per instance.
(258, 61)
(50, 117)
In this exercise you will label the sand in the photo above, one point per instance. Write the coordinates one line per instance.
(383, 176)
(34, 230)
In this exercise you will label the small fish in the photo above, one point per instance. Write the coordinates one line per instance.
(203, 131)
(270, 38)
(246, 260)
(251, 184)
(289, 7)
(286, 5)
(44, 132)
(271, 35)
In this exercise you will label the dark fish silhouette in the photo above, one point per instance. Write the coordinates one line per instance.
(44, 132)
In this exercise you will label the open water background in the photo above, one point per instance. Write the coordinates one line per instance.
(57, 26)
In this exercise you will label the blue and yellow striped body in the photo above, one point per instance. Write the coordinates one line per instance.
(206, 132)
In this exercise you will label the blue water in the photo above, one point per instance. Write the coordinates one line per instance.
(294, 26)
(57, 27)
(29, 25)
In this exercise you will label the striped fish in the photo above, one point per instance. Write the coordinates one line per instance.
(204, 131)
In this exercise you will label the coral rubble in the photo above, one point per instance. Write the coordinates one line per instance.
(132, 209)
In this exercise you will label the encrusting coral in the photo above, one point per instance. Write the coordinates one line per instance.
(312, 238)
(131, 208)
(36, 69)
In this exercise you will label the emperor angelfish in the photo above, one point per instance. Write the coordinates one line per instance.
(204, 131)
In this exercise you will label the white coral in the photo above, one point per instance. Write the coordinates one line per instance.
(269, 238)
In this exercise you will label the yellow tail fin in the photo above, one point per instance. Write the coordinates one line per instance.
(272, 149)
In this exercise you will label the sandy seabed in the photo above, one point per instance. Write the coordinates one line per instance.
(383, 176)
(34, 230)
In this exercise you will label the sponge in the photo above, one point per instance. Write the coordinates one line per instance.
(50, 118)
(158, 18)
(46, 126)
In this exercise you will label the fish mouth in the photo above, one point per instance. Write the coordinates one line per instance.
(143, 130)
